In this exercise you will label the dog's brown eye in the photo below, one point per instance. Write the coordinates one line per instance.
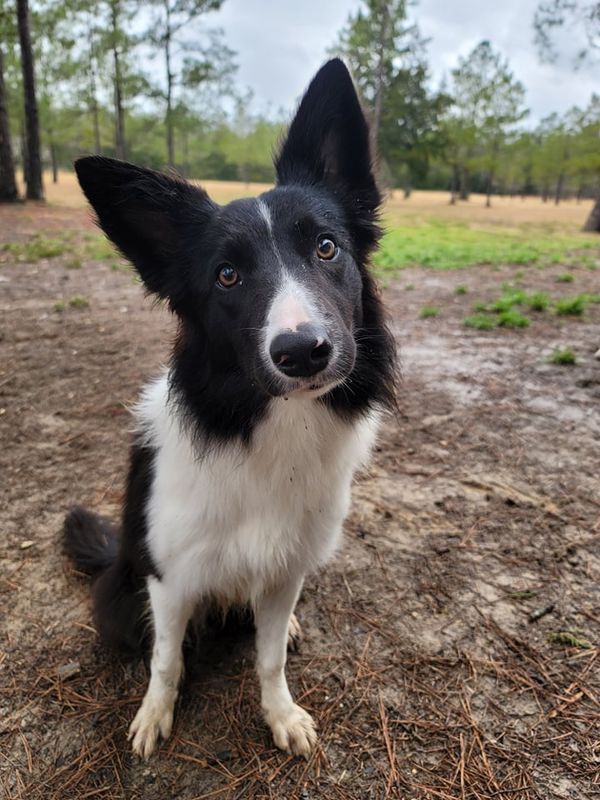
(227, 276)
(326, 248)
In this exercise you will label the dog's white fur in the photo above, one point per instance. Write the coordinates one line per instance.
(242, 524)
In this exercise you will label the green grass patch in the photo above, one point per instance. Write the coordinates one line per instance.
(563, 357)
(566, 277)
(36, 248)
(570, 639)
(429, 311)
(59, 306)
(481, 322)
(79, 302)
(461, 289)
(409, 287)
(73, 263)
(98, 248)
(443, 244)
(511, 318)
(537, 301)
(571, 306)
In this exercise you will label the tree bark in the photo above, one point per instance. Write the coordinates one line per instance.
(35, 188)
(169, 115)
(8, 183)
(54, 162)
(120, 148)
(380, 73)
(592, 224)
(559, 188)
(454, 185)
(464, 184)
(94, 99)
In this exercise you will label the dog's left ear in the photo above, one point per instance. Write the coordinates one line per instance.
(328, 143)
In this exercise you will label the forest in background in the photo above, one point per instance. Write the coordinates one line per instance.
(155, 83)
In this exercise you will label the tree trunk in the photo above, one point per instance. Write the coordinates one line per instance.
(592, 224)
(186, 154)
(464, 184)
(169, 115)
(94, 99)
(8, 183)
(488, 192)
(35, 188)
(380, 73)
(454, 185)
(559, 188)
(54, 161)
(24, 158)
(118, 83)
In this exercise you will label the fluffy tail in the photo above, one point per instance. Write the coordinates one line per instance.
(119, 593)
(90, 541)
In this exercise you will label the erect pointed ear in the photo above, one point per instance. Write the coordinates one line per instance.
(328, 140)
(148, 215)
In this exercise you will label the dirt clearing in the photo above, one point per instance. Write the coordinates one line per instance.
(451, 649)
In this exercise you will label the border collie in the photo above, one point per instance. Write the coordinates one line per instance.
(245, 448)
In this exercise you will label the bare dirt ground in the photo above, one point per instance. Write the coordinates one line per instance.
(451, 649)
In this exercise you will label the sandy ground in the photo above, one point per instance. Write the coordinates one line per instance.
(451, 649)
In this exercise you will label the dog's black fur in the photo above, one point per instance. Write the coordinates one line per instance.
(177, 237)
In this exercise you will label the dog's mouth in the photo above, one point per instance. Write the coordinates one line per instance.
(308, 387)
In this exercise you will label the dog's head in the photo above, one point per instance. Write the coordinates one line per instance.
(270, 290)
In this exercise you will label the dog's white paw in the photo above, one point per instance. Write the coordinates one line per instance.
(293, 730)
(153, 718)
(295, 635)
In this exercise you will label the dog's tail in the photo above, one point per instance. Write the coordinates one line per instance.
(90, 541)
(93, 544)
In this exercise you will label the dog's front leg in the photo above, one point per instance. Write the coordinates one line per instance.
(170, 614)
(293, 729)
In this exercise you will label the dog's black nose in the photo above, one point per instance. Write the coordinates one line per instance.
(301, 354)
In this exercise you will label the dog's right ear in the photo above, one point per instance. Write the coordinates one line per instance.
(148, 215)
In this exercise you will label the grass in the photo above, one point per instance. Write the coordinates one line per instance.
(537, 301)
(461, 289)
(79, 302)
(512, 319)
(429, 311)
(565, 277)
(563, 357)
(481, 322)
(36, 248)
(98, 248)
(443, 244)
(570, 639)
(571, 306)
(508, 316)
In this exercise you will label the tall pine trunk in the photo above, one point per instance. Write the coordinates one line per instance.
(592, 224)
(35, 189)
(94, 99)
(118, 83)
(169, 115)
(8, 183)
(380, 73)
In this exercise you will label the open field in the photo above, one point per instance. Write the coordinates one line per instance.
(451, 650)
(505, 211)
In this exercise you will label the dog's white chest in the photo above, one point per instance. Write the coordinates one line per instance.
(232, 521)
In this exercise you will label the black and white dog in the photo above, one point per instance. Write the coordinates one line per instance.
(245, 449)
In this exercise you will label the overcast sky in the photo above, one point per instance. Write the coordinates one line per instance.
(280, 43)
